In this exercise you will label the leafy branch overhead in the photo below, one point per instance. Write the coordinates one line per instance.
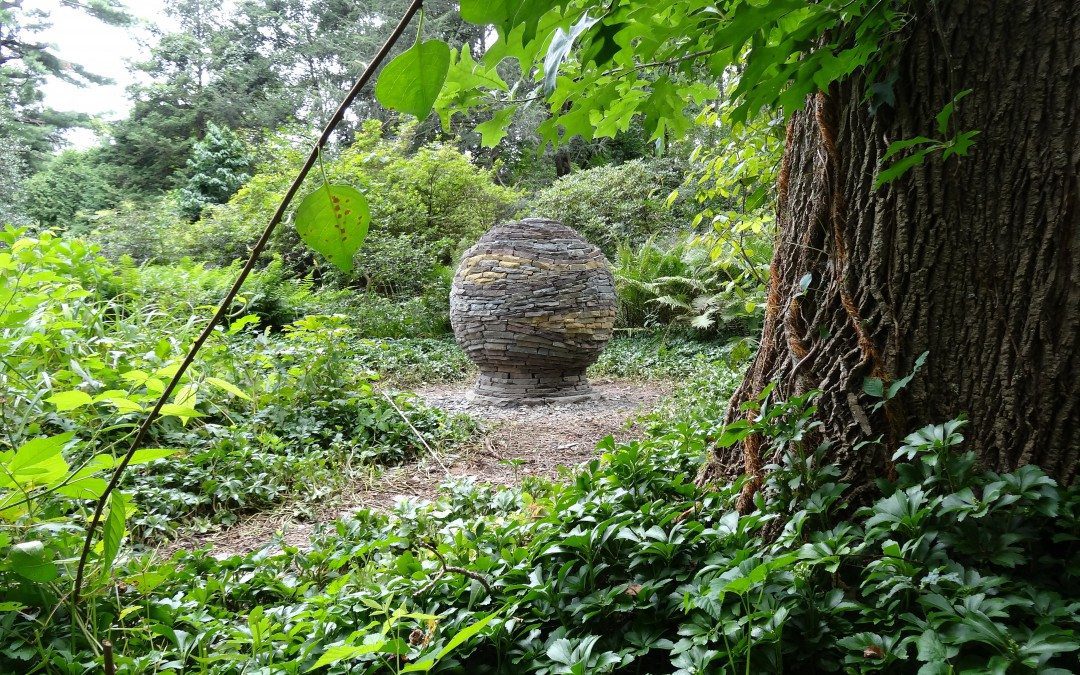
(599, 67)
(922, 146)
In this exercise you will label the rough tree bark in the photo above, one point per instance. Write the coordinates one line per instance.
(975, 260)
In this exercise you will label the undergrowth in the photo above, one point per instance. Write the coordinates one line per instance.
(627, 566)
(658, 355)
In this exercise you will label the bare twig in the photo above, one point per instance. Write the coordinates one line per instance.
(419, 435)
(452, 568)
(226, 302)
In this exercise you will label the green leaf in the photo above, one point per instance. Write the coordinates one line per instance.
(150, 454)
(87, 487)
(960, 145)
(506, 14)
(185, 397)
(412, 81)
(897, 146)
(37, 462)
(32, 560)
(895, 387)
(898, 169)
(603, 47)
(70, 400)
(39, 451)
(945, 115)
(239, 325)
(874, 386)
(494, 130)
(119, 400)
(932, 649)
(173, 410)
(113, 530)
(229, 387)
(333, 220)
(343, 652)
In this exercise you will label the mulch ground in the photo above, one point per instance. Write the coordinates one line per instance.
(513, 443)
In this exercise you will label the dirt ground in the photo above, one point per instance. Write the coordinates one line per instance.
(513, 443)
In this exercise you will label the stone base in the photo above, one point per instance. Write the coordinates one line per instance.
(508, 389)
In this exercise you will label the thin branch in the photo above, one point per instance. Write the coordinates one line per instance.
(415, 431)
(451, 568)
(223, 308)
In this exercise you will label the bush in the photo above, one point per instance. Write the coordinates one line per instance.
(665, 356)
(374, 316)
(67, 192)
(191, 288)
(434, 195)
(399, 264)
(140, 230)
(615, 204)
(698, 282)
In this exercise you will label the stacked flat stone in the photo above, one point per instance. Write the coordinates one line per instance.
(533, 305)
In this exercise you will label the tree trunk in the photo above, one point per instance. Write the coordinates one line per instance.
(975, 260)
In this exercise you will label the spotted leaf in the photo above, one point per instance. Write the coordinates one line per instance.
(333, 220)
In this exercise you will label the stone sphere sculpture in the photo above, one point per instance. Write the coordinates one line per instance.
(533, 305)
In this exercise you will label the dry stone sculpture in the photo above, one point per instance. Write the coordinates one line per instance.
(533, 305)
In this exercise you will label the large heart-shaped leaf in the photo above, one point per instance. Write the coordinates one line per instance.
(412, 81)
(333, 220)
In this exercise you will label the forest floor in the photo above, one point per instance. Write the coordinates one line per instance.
(512, 443)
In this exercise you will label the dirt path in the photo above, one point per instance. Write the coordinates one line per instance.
(513, 443)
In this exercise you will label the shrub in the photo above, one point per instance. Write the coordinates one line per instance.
(374, 316)
(140, 230)
(67, 192)
(188, 288)
(615, 203)
(665, 356)
(399, 264)
(698, 282)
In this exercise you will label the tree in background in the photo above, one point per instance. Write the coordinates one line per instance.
(198, 75)
(25, 65)
(13, 172)
(219, 164)
(260, 65)
(67, 192)
(30, 129)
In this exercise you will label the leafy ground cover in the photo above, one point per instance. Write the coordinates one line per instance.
(263, 417)
(627, 566)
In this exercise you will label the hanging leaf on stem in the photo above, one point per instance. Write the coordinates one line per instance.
(334, 220)
(411, 82)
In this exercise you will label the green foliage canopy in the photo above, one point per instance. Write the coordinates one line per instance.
(605, 65)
